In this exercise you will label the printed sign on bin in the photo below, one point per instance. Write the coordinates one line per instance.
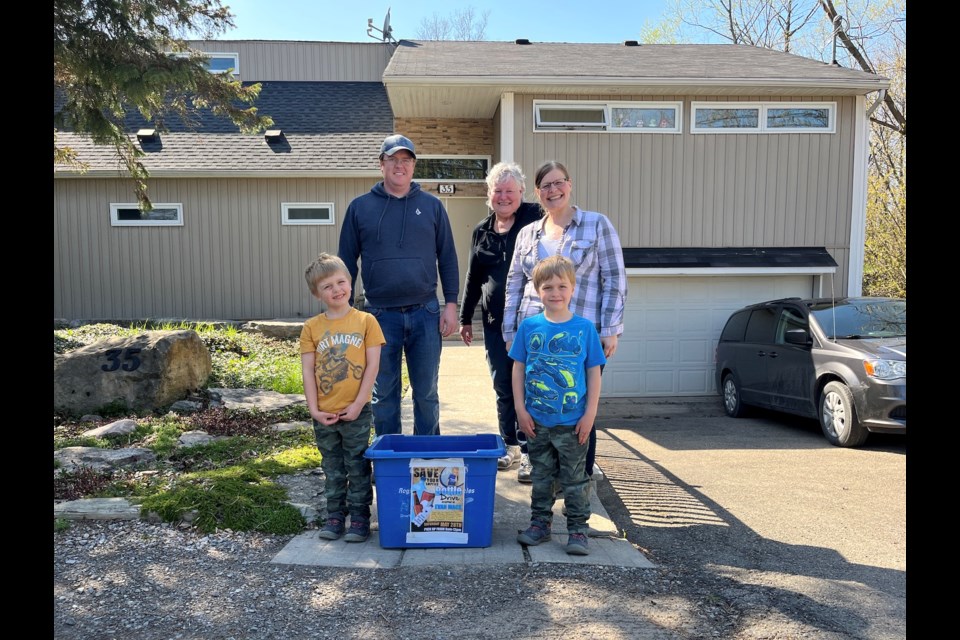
(437, 489)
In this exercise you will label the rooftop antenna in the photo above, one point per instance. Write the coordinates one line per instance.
(386, 34)
(839, 24)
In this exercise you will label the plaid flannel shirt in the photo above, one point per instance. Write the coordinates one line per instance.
(593, 245)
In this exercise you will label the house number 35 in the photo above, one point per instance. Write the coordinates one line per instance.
(125, 359)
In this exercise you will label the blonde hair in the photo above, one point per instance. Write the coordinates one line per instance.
(323, 266)
(554, 266)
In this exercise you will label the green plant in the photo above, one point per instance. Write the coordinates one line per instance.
(60, 525)
(236, 498)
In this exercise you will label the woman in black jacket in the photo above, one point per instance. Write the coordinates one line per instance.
(491, 251)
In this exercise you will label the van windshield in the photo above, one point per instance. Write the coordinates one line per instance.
(862, 319)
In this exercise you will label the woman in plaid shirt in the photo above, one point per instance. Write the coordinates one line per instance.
(591, 242)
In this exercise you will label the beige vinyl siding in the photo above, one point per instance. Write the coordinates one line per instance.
(707, 190)
(232, 258)
(305, 61)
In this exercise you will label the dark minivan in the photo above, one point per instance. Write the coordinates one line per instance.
(843, 361)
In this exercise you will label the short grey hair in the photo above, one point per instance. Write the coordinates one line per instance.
(503, 171)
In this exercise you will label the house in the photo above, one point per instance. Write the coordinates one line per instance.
(733, 174)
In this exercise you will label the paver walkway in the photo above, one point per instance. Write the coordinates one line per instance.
(467, 407)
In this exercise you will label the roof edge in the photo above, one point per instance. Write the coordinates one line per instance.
(595, 81)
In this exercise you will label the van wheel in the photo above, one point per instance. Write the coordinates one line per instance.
(732, 403)
(838, 417)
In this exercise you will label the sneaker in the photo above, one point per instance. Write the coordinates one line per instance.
(523, 474)
(511, 457)
(577, 545)
(359, 529)
(536, 533)
(333, 528)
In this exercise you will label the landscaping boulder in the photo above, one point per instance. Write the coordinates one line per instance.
(70, 458)
(282, 329)
(143, 372)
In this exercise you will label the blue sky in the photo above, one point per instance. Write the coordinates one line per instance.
(346, 20)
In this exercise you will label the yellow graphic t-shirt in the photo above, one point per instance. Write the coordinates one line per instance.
(341, 348)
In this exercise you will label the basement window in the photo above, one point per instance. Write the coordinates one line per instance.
(162, 215)
(306, 213)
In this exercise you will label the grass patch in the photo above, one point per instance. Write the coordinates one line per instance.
(236, 498)
(224, 484)
(60, 525)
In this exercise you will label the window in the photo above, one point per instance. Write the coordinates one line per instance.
(763, 323)
(615, 117)
(766, 117)
(219, 62)
(452, 168)
(162, 215)
(790, 319)
(306, 212)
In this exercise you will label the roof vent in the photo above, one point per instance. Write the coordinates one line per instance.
(522, 41)
(631, 43)
(147, 135)
(273, 135)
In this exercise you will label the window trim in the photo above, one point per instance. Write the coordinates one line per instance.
(115, 220)
(465, 156)
(215, 54)
(677, 106)
(763, 108)
(285, 213)
(606, 107)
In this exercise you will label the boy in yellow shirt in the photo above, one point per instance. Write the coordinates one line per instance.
(340, 355)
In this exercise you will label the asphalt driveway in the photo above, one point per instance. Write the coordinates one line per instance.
(764, 517)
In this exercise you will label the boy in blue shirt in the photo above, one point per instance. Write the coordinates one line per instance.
(556, 388)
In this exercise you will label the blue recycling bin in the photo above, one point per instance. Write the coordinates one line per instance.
(435, 491)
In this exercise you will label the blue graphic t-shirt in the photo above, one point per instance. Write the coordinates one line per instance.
(557, 356)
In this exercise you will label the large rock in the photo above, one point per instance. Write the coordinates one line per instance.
(144, 372)
(282, 329)
(71, 458)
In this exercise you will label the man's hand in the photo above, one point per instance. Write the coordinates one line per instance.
(466, 333)
(609, 345)
(448, 319)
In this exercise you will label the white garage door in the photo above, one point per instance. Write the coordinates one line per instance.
(671, 328)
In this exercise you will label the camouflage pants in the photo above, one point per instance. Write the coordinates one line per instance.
(348, 485)
(557, 456)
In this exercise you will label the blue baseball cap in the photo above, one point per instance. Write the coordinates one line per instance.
(395, 143)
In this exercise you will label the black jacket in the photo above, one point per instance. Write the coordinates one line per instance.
(490, 256)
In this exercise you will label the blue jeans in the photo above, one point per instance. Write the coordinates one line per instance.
(501, 371)
(414, 332)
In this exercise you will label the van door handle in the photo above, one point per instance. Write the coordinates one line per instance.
(773, 354)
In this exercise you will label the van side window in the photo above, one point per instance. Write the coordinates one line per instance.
(789, 319)
(736, 325)
(762, 325)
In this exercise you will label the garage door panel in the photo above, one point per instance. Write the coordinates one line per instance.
(695, 352)
(671, 328)
(693, 382)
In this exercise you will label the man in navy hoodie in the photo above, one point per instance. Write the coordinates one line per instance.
(402, 237)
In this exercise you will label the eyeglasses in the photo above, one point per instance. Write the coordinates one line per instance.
(404, 161)
(556, 184)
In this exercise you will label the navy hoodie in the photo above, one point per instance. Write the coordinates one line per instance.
(401, 244)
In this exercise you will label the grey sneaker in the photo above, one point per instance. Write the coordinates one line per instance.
(536, 533)
(359, 529)
(523, 474)
(333, 528)
(577, 545)
(511, 457)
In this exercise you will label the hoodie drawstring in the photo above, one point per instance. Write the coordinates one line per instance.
(403, 226)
